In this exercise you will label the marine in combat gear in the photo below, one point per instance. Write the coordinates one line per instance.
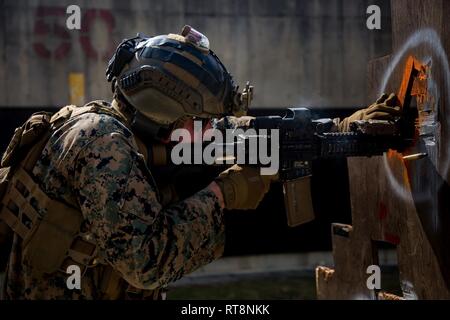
(78, 187)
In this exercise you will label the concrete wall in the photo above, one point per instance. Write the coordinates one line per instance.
(311, 52)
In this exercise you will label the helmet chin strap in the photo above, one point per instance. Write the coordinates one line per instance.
(148, 130)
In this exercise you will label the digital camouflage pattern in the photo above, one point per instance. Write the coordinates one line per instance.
(93, 161)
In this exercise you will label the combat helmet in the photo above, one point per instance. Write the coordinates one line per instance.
(168, 77)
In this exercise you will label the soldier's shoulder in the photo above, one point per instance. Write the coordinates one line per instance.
(98, 121)
(87, 128)
(99, 103)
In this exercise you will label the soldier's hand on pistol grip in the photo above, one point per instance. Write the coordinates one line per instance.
(385, 108)
(243, 187)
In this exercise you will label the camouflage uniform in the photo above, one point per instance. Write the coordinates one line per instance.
(93, 161)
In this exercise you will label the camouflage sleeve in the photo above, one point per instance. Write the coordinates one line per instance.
(148, 244)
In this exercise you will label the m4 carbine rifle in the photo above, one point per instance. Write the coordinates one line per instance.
(303, 139)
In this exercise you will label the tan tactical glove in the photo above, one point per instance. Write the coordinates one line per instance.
(231, 122)
(243, 187)
(385, 108)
